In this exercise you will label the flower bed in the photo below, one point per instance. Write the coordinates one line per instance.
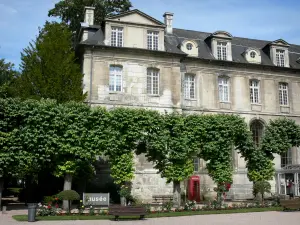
(152, 214)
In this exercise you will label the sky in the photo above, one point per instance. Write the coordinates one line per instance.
(258, 19)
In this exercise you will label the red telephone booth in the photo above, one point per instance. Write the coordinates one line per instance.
(194, 188)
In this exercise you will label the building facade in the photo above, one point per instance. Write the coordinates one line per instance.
(134, 60)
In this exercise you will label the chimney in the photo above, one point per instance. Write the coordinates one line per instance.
(169, 22)
(89, 15)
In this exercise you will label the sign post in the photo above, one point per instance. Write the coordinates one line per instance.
(96, 199)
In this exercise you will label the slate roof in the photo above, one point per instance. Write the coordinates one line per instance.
(173, 42)
(239, 46)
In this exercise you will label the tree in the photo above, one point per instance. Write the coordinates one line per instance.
(261, 187)
(72, 11)
(49, 68)
(7, 76)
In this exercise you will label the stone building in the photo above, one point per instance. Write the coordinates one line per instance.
(134, 60)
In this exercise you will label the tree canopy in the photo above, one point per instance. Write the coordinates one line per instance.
(64, 138)
(49, 68)
(72, 11)
(7, 76)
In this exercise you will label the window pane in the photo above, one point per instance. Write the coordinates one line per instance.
(286, 158)
(153, 81)
(223, 89)
(196, 164)
(115, 78)
(257, 128)
(283, 94)
(117, 36)
(152, 40)
(189, 86)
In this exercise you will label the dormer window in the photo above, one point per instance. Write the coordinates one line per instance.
(280, 57)
(222, 50)
(189, 46)
(252, 55)
(117, 36)
(220, 43)
(152, 40)
(279, 52)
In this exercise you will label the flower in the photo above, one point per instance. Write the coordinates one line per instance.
(56, 199)
(80, 200)
(49, 206)
(56, 206)
(91, 206)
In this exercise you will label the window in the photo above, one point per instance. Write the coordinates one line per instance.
(280, 57)
(153, 81)
(257, 129)
(152, 40)
(252, 55)
(223, 89)
(222, 50)
(189, 86)
(254, 91)
(117, 36)
(115, 78)
(189, 46)
(283, 94)
(196, 164)
(286, 158)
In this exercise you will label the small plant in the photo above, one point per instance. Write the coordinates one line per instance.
(47, 210)
(69, 195)
(167, 206)
(189, 205)
(91, 211)
(261, 187)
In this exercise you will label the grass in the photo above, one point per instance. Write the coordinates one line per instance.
(153, 215)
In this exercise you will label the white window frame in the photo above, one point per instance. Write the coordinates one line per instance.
(153, 77)
(152, 39)
(222, 50)
(117, 36)
(286, 158)
(223, 87)
(254, 91)
(280, 57)
(196, 163)
(189, 86)
(283, 94)
(115, 75)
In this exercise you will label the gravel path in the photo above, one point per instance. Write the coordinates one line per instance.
(264, 218)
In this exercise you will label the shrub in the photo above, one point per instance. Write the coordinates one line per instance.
(69, 195)
(261, 187)
(167, 206)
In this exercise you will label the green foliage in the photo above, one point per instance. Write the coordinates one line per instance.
(49, 68)
(7, 77)
(72, 11)
(125, 192)
(261, 187)
(69, 195)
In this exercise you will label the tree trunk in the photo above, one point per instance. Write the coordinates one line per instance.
(67, 186)
(1, 188)
(176, 193)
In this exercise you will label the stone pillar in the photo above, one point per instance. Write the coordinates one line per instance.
(295, 154)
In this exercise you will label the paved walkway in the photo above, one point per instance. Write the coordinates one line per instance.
(264, 218)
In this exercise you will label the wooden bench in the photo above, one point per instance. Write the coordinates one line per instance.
(118, 211)
(290, 204)
(162, 198)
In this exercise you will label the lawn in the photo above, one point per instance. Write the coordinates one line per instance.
(153, 215)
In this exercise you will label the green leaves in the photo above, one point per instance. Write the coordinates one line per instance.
(49, 67)
(72, 11)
